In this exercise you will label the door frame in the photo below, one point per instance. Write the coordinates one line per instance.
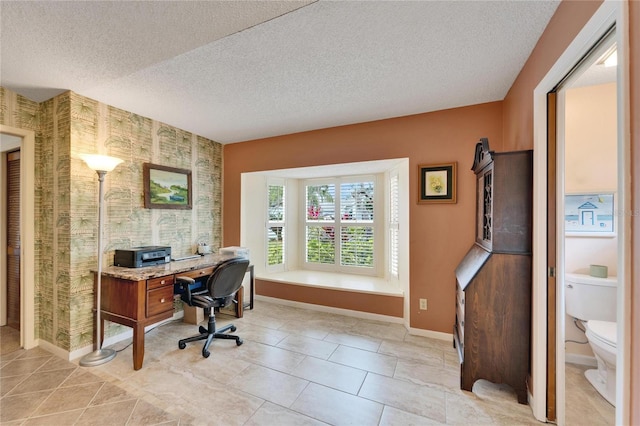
(610, 13)
(27, 234)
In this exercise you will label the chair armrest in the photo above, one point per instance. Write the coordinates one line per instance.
(184, 283)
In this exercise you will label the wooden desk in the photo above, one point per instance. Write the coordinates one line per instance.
(139, 297)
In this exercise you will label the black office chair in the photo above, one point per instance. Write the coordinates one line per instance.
(219, 291)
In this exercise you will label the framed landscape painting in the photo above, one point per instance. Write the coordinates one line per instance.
(166, 187)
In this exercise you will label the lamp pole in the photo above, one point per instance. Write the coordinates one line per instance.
(101, 164)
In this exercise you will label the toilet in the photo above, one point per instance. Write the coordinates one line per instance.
(593, 300)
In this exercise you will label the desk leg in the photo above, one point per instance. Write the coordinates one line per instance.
(138, 346)
(240, 302)
(251, 284)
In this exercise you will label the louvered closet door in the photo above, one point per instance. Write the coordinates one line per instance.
(13, 240)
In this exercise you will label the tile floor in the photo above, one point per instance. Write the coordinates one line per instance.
(296, 367)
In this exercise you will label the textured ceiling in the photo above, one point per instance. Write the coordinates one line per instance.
(239, 70)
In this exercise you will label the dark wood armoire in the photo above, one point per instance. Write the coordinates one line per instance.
(493, 305)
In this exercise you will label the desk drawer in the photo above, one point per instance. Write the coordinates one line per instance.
(159, 282)
(159, 300)
(197, 273)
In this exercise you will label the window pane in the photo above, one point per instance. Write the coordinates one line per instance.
(357, 246)
(356, 201)
(276, 203)
(320, 202)
(321, 244)
(275, 245)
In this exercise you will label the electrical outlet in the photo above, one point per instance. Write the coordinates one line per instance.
(423, 304)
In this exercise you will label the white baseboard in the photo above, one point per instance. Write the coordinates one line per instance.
(329, 309)
(589, 361)
(50, 347)
(432, 334)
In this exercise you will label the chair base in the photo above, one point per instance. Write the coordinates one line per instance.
(209, 334)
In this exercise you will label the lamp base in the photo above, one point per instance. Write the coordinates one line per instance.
(98, 357)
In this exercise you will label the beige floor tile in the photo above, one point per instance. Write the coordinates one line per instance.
(308, 346)
(336, 376)
(223, 405)
(365, 360)
(270, 356)
(20, 366)
(81, 376)
(337, 408)
(270, 380)
(8, 383)
(69, 398)
(271, 414)
(425, 374)
(265, 335)
(394, 417)
(409, 351)
(40, 381)
(354, 341)
(378, 330)
(271, 385)
(57, 419)
(421, 400)
(109, 394)
(146, 414)
(465, 409)
(21, 406)
(114, 414)
(310, 328)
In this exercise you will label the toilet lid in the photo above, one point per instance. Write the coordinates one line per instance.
(605, 330)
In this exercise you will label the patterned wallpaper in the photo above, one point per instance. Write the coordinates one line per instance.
(67, 200)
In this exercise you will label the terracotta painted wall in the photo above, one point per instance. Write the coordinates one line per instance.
(568, 20)
(440, 234)
(566, 23)
(67, 198)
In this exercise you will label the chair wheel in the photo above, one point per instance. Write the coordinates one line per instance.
(239, 342)
(202, 329)
(233, 328)
(205, 353)
(182, 345)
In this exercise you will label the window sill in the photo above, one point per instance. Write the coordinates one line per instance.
(335, 281)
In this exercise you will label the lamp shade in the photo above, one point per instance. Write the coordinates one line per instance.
(100, 163)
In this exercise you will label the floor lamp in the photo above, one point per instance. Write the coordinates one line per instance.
(102, 164)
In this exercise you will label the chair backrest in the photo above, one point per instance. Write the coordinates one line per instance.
(227, 278)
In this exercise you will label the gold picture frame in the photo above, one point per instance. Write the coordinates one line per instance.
(166, 187)
(437, 183)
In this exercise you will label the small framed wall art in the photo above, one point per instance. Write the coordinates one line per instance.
(437, 183)
(166, 187)
(590, 214)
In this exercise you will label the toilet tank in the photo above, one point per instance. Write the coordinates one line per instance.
(590, 298)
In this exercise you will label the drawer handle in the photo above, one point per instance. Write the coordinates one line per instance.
(162, 300)
(462, 323)
(162, 282)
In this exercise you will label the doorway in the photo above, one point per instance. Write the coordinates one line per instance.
(608, 15)
(11, 139)
(587, 232)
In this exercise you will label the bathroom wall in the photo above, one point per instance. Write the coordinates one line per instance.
(590, 166)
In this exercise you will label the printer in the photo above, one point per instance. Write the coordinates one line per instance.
(137, 257)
